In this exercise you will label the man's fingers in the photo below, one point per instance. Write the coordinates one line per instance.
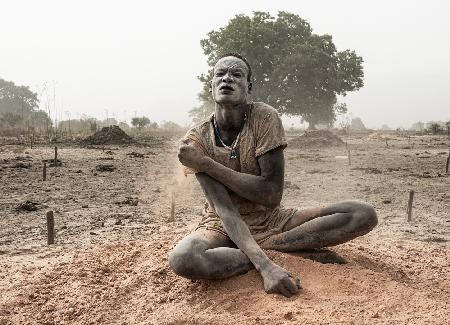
(283, 290)
(182, 143)
(298, 283)
(270, 290)
(290, 284)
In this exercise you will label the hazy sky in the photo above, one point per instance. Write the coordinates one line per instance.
(143, 57)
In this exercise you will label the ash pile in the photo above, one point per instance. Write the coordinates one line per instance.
(316, 139)
(109, 135)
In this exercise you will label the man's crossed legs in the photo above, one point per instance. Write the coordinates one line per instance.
(207, 254)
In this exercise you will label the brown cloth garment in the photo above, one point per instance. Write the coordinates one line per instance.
(262, 132)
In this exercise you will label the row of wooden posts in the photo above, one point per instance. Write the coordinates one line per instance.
(51, 220)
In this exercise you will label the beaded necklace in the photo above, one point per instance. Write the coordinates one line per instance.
(232, 148)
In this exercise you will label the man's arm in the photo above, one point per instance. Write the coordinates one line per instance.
(265, 189)
(276, 279)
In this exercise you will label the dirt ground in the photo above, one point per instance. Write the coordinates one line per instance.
(109, 263)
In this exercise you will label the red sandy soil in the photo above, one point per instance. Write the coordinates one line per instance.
(109, 263)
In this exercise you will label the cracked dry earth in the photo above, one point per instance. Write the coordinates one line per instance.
(109, 263)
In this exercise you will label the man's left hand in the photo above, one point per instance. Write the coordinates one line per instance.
(278, 280)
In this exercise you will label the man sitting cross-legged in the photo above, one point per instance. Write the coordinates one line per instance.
(237, 157)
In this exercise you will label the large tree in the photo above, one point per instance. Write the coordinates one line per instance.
(294, 70)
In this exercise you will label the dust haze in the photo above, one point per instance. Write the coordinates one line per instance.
(126, 60)
(94, 141)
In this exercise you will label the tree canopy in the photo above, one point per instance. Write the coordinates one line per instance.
(294, 70)
(19, 100)
(19, 104)
(142, 122)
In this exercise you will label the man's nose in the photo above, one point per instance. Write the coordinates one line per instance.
(227, 77)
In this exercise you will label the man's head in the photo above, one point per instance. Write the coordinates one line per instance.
(231, 82)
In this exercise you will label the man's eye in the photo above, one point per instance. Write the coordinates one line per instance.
(219, 74)
(238, 75)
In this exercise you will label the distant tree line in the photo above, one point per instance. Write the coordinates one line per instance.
(19, 110)
(90, 125)
(20, 115)
(433, 127)
(438, 127)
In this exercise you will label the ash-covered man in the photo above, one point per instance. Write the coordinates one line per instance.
(237, 157)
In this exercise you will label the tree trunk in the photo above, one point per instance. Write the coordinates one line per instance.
(312, 126)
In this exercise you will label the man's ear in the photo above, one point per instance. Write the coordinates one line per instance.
(250, 85)
(210, 86)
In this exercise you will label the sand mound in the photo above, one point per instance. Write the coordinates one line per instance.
(109, 135)
(131, 283)
(316, 139)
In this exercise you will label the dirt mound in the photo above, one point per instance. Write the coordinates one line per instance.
(316, 139)
(109, 135)
(131, 283)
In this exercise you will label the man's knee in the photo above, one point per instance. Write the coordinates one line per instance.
(181, 262)
(185, 259)
(364, 217)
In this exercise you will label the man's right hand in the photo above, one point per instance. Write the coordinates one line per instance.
(278, 280)
(190, 156)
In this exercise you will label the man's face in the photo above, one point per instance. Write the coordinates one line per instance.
(229, 84)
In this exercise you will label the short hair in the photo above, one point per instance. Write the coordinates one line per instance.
(237, 55)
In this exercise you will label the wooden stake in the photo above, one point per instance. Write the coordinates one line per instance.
(172, 206)
(50, 228)
(44, 172)
(409, 141)
(410, 205)
(387, 145)
(348, 154)
(448, 162)
(56, 156)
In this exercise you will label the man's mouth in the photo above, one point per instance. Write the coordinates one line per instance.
(226, 88)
